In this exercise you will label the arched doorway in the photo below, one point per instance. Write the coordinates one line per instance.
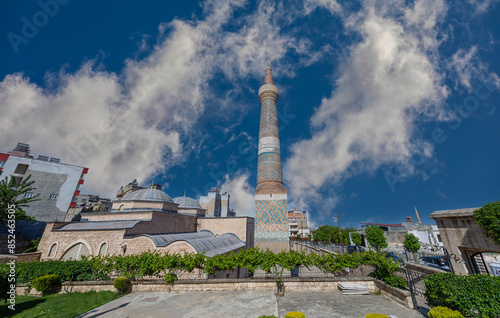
(76, 252)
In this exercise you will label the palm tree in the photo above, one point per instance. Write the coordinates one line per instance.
(13, 200)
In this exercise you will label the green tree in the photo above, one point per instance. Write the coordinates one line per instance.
(357, 239)
(411, 243)
(326, 234)
(330, 234)
(488, 217)
(375, 237)
(12, 198)
(345, 235)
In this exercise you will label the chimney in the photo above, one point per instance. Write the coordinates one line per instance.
(408, 219)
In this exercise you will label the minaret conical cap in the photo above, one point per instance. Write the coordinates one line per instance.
(268, 78)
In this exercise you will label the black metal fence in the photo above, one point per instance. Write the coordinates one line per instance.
(338, 249)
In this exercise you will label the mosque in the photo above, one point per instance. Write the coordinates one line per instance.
(146, 220)
(149, 219)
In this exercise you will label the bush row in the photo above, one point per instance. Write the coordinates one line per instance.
(159, 264)
(82, 270)
(475, 295)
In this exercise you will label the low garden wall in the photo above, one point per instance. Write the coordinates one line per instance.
(401, 296)
(25, 257)
(247, 284)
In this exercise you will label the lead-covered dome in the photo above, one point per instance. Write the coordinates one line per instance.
(148, 195)
(187, 202)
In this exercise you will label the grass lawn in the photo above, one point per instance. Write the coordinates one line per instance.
(57, 305)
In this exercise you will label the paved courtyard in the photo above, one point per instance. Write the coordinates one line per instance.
(229, 304)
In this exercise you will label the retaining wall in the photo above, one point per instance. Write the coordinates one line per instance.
(247, 284)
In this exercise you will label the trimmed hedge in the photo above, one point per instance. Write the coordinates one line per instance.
(66, 270)
(157, 264)
(120, 283)
(376, 316)
(45, 283)
(476, 295)
(443, 312)
(295, 314)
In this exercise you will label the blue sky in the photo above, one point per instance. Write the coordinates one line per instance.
(384, 105)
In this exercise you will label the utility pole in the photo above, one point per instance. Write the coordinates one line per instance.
(340, 233)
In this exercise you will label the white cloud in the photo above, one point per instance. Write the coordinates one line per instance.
(120, 126)
(260, 41)
(388, 81)
(331, 5)
(140, 122)
(462, 63)
(242, 199)
(467, 66)
(83, 123)
(481, 6)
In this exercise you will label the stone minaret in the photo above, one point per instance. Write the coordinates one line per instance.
(271, 206)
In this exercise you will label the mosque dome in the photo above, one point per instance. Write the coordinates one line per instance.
(187, 203)
(148, 195)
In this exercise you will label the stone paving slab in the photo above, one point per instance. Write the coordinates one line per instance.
(249, 304)
(220, 304)
(332, 304)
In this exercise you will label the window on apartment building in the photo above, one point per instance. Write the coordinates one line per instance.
(28, 195)
(21, 168)
(53, 197)
(2, 163)
(18, 180)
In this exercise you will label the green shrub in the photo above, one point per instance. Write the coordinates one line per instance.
(120, 283)
(395, 281)
(295, 314)
(488, 217)
(376, 316)
(375, 237)
(384, 273)
(170, 278)
(411, 243)
(66, 270)
(45, 283)
(473, 295)
(357, 239)
(4, 283)
(443, 312)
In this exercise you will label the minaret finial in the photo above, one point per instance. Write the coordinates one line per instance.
(418, 217)
(268, 76)
(153, 184)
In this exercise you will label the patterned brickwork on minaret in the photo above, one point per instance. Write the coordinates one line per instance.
(271, 205)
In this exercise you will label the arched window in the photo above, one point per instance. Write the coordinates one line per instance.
(103, 249)
(76, 252)
(122, 207)
(53, 250)
(174, 226)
